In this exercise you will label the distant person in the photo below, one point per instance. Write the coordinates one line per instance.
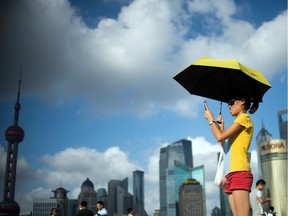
(101, 209)
(83, 210)
(53, 212)
(271, 212)
(256, 198)
(129, 212)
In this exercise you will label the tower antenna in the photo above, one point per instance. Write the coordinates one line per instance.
(17, 106)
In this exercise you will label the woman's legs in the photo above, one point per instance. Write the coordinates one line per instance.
(231, 202)
(239, 202)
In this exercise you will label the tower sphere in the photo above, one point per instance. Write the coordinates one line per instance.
(14, 134)
(9, 207)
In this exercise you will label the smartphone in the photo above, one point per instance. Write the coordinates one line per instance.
(205, 105)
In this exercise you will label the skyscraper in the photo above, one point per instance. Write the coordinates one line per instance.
(118, 197)
(191, 196)
(138, 193)
(181, 174)
(88, 194)
(273, 167)
(14, 135)
(102, 195)
(180, 151)
(124, 200)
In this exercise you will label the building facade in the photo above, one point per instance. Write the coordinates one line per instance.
(43, 207)
(180, 151)
(88, 194)
(191, 196)
(273, 166)
(181, 174)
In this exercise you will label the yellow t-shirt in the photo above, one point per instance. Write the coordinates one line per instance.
(240, 144)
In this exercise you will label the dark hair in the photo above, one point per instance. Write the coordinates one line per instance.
(84, 203)
(100, 203)
(238, 94)
(271, 208)
(129, 210)
(260, 181)
(53, 210)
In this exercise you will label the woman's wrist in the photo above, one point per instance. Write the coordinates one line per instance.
(211, 122)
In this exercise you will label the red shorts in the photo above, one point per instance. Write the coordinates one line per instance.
(240, 180)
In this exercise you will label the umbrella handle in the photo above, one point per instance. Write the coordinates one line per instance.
(220, 112)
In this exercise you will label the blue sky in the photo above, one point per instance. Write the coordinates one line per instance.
(98, 96)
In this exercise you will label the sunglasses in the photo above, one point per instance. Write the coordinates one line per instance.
(231, 102)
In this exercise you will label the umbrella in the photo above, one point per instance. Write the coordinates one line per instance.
(218, 79)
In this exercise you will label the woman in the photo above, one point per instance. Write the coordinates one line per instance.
(236, 165)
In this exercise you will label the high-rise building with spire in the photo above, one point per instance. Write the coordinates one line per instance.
(283, 123)
(14, 135)
(262, 137)
(273, 168)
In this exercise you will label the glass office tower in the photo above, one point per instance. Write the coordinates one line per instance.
(182, 174)
(138, 193)
(180, 151)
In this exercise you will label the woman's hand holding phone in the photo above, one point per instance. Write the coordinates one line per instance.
(207, 114)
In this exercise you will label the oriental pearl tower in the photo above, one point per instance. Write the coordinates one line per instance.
(14, 135)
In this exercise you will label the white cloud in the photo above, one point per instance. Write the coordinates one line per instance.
(128, 62)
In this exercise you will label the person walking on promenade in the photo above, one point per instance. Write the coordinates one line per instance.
(256, 198)
(83, 210)
(101, 209)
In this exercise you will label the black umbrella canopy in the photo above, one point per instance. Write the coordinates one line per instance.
(220, 83)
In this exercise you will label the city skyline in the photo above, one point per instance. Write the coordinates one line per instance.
(98, 97)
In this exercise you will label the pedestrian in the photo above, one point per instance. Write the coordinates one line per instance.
(129, 212)
(236, 164)
(53, 212)
(83, 210)
(101, 209)
(271, 211)
(256, 198)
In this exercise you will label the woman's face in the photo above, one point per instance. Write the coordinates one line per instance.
(235, 106)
